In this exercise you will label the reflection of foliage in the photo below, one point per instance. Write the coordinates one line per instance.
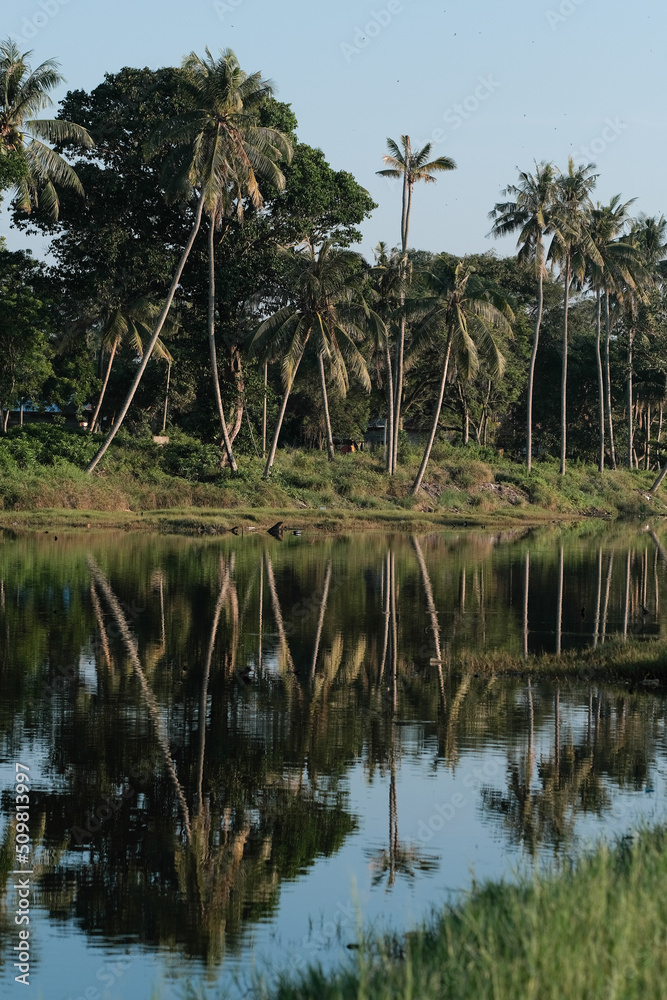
(263, 732)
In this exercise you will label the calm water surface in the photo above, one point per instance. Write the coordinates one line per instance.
(239, 748)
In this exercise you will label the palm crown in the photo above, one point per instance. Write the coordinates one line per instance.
(24, 92)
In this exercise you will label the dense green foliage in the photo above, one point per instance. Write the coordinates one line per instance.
(120, 245)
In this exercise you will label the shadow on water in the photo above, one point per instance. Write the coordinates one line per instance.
(207, 720)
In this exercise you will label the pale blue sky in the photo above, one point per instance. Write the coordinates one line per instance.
(532, 79)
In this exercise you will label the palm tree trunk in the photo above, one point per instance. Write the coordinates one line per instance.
(400, 343)
(281, 413)
(436, 419)
(531, 371)
(398, 391)
(661, 476)
(631, 334)
(266, 381)
(389, 422)
(156, 333)
(166, 399)
(212, 349)
(598, 359)
(607, 378)
(563, 381)
(325, 404)
(96, 414)
(647, 462)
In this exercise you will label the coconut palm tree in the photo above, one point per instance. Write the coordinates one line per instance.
(24, 92)
(529, 211)
(649, 237)
(134, 325)
(325, 309)
(572, 247)
(615, 270)
(388, 283)
(403, 163)
(220, 155)
(470, 314)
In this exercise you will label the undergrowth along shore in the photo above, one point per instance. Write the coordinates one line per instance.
(597, 928)
(41, 468)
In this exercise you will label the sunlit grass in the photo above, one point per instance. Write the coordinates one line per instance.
(41, 468)
(596, 929)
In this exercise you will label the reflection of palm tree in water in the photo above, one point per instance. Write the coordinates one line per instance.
(397, 858)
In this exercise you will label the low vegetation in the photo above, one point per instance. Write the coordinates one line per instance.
(41, 470)
(597, 928)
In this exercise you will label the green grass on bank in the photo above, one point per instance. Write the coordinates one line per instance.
(41, 468)
(595, 931)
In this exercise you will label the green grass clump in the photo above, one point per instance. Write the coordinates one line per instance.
(596, 929)
(41, 467)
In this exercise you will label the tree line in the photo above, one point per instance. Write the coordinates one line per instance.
(193, 228)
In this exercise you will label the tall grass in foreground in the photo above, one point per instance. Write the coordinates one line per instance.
(597, 929)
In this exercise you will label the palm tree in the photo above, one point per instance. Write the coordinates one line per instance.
(649, 237)
(24, 92)
(388, 280)
(572, 247)
(470, 314)
(530, 213)
(613, 272)
(411, 167)
(324, 307)
(133, 324)
(221, 156)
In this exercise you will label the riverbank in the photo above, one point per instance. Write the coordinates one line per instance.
(597, 928)
(180, 487)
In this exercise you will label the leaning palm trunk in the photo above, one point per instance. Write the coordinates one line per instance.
(598, 360)
(211, 343)
(661, 476)
(91, 426)
(607, 378)
(325, 405)
(283, 406)
(531, 373)
(436, 419)
(563, 380)
(151, 344)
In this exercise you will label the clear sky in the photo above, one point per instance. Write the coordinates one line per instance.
(495, 84)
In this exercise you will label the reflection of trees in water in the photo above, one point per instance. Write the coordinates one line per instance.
(544, 794)
(267, 672)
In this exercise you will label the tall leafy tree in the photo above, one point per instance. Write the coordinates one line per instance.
(470, 315)
(324, 309)
(25, 350)
(528, 211)
(221, 156)
(31, 166)
(402, 163)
